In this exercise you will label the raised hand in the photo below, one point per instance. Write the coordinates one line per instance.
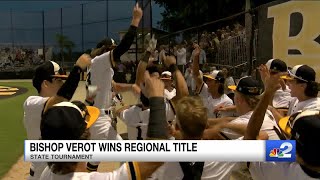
(272, 81)
(152, 44)
(137, 15)
(196, 51)
(84, 61)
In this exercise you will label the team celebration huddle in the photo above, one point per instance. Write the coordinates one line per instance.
(282, 104)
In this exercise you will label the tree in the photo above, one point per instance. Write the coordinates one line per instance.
(181, 14)
(69, 45)
(64, 43)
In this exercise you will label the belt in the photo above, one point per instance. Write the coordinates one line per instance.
(114, 120)
(108, 112)
(31, 172)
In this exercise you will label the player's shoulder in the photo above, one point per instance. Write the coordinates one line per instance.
(102, 56)
(227, 99)
(35, 101)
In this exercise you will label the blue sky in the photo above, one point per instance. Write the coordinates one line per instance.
(27, 20)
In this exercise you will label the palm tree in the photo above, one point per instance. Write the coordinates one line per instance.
(64, 43)
(69, 45)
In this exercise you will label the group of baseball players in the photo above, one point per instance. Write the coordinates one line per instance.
(287, 107)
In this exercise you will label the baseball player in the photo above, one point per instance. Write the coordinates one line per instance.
(48, 81)
(212, 90)
(304, 129)
(58, 117)
(100, 75)
(303, 89)
(191, 122)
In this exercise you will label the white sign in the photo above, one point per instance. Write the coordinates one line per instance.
(151, 150)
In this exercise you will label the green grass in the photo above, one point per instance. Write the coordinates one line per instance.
(12, 132)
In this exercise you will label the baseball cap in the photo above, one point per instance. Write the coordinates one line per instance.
(108, 42)
(47, 71)
(248, 86)
(67, 121)
(215, 75)
(277, 65)
(304, 127)
(166, 75)
(302, 72)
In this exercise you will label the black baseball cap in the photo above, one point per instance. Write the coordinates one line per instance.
(248, 86)
(107, 42)
(302, 72)
(47, 71)
(67, 121)
(277, 65)
(304, 127)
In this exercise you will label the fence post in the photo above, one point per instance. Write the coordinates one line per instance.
(248, 27)
(43, 38)
(82, 39)
(107, 18)
(61, 33)
(136, 41)
(11, 28)
(151, 28)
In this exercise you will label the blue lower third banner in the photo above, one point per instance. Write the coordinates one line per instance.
(281, 150)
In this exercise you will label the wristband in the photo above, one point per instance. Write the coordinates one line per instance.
(157, 127)
(69, 87)
(172, 68)
(146, 57)
(89, 103)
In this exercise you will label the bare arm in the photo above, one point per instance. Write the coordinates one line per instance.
(276, 114)
(181, 86)
(157, 126)
(67, 90)
(215, 121)
(121, 87)
(142, 66)
(257, 117)
(241, 129)
(130, 35)
(196, 68)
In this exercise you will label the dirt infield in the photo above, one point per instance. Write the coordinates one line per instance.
(20, 170)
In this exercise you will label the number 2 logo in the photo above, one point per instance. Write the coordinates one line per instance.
(286, 148)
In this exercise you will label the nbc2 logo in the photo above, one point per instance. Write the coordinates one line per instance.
(281, 150)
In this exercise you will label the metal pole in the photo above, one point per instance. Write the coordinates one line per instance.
(151, 28)
(43, 38)
(107, 18)
(11, 28)
(136, 42)
(142, 26)
(61, 33)
(248, 27)
(82, 35)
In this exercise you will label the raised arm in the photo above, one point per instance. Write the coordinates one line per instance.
(67, 90)
(157, 127)
(196, 67)
(145, 60)
(130, 35)
(180, 82)
(257, 117)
